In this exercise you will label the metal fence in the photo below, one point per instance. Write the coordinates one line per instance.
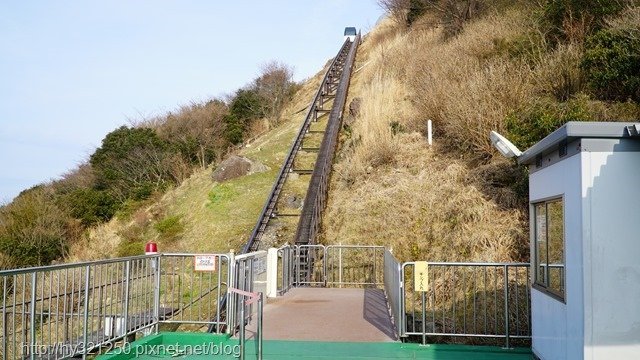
(488, 300)
(249, 275)
(393, 288)
(246, 300)
(286, 268)
(354, 266)
(71, 310)
(193, 297)
(330, 266)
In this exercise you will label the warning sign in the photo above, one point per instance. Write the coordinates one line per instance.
(421, 276)
(204, 263)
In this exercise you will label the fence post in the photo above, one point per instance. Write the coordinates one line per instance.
(231, 270)
(506, 306)
(85, 325)
(156, 292)
(340, 265)
(424, 319)
(402, 325)
(400, 321)
(32, 321)
(242, 329)
(125, 321)
(272, 272)
(259, 330)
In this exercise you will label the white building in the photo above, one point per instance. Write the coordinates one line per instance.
(584, 192)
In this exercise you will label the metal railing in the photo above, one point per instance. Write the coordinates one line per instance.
(487, 300)
(312, 114)
(71, 310)
(354, 265)
(286, 268)
(246, 300)
(310, 265)
(393, 288)
(194, 297)
(319, 184)
(330, 266)
(249, 275)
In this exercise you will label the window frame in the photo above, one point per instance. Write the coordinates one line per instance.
(537, 283)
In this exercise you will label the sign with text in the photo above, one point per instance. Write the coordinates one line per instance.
(204, 263)
(421, 276)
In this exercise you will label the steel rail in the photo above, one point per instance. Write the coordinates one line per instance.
(318, 186)
(269, 206)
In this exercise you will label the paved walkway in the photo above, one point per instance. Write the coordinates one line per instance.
(328, 314)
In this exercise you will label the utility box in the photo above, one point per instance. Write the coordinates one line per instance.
(584, 188)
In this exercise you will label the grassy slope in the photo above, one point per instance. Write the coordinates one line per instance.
(392, 189)
(459, 200)
(213, 217)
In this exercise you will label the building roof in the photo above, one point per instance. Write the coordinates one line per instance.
(577, 130)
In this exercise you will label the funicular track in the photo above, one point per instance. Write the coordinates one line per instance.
(333, 88)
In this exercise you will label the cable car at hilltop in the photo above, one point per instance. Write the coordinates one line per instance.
(350, 33)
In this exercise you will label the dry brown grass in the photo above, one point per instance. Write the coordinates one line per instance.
(423, 207)
(389, 188)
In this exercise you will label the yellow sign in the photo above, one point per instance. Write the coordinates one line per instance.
(421, 276)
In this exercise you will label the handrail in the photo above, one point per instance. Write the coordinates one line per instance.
(27, 270)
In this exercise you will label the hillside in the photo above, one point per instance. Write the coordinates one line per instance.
(202, 215)
(459, 200)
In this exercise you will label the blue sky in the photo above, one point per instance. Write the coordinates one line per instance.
(71, 71)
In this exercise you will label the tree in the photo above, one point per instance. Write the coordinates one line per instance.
(131, 163)
(451, 14)
(247, 105)
(397, 9)
(196, 131)
(275, 87)
(34, 230)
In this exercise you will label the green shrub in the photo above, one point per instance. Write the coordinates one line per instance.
(234, 129)
(33, 228)
(220, 193)
(246, 106)
(170, 227)
(527, 127)
(574, 19)
(90, 206)
(611, 64)
(132, 163)
(130, 247)
(396, 128)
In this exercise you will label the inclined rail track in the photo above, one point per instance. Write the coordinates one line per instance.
(333, 87)
(316, 198)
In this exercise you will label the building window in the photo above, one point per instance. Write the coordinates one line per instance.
(549, 246)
